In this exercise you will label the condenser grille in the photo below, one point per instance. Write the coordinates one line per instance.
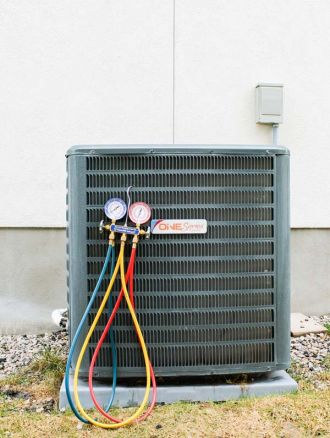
(204, 302)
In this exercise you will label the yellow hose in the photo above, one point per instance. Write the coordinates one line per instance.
(119, 264)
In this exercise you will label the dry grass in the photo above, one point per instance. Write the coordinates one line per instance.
(303, 414)
(327, 326)
(42, 378)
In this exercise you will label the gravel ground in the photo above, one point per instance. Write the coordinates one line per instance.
(308, 352)
(310, 358)
(17, 351)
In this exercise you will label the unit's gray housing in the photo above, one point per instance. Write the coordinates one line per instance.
(77, 255)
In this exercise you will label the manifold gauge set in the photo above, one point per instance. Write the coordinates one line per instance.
(139, 213)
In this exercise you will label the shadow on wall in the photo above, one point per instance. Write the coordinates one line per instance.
(33, 281)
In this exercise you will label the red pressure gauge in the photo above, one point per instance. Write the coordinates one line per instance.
(139, 213)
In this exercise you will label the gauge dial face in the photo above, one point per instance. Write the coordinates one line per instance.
(115, 208)
(139, 212)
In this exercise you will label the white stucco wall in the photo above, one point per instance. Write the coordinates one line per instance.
(86, 71)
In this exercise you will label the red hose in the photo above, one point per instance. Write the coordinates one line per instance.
(129, 278)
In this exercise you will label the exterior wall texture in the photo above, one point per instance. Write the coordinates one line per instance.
(157, 71)
(153, 71)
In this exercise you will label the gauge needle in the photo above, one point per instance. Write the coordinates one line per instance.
(114, 209)
(140, 211)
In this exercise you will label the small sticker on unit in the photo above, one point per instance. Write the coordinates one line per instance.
(178, 226)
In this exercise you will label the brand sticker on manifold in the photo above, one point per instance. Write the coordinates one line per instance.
(178, 226)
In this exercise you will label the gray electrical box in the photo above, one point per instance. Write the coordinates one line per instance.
(269, 103)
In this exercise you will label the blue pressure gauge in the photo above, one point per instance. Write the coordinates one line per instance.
(115, 209)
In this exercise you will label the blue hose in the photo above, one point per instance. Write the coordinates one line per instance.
(110, 254)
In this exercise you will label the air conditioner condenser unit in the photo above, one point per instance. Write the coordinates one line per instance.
(208, 304)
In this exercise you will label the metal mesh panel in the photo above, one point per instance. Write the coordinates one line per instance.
(204, 302)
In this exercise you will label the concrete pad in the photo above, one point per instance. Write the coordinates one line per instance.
(277, 382)
(302, 325)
